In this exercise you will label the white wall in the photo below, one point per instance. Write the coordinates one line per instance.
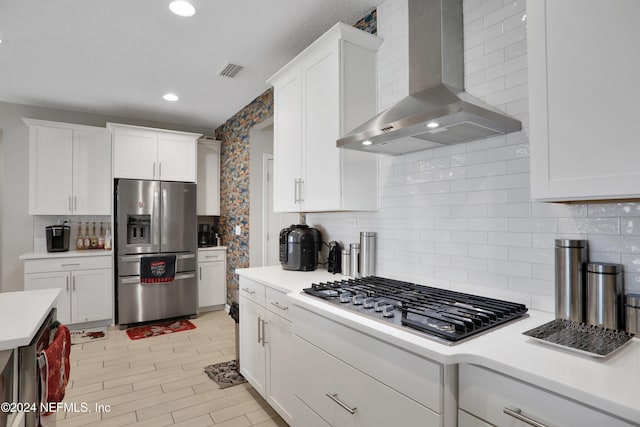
(16, 230)
(460, 217)
(260, 143)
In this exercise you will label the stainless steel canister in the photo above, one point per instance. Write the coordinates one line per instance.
(605, 295)
(632, 306)
(571, 257)
(367, 253)
(355, 259)
(345, 262)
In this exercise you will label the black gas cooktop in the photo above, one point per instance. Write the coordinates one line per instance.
(442, 314)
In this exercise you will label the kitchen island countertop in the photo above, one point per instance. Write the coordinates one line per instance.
(606, 383)
(22, 314)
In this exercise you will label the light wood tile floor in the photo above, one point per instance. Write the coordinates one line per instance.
(160, 381)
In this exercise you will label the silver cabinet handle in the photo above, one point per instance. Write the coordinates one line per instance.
(73, 280)
(212, 256)
(159, 169)
(200, 273)
(281, 307)
(259, 330)
(300, 198)
(75, 203)
(70, 265)
(67, 283)
(264, 341)
(517, 414)
(295, 191)
(249, 291)
(334, 397)
(70, 208)
(154, 169)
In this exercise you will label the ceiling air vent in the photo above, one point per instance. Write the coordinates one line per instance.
(230, 70)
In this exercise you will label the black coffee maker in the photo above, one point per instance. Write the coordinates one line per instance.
(204, 235)
(299, 247)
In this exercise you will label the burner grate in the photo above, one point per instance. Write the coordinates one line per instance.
(448, 315)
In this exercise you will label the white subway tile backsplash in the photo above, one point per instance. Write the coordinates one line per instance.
(461, 216)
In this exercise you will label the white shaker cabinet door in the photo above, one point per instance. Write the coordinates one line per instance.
(252, 346)
(322, 177)
(176, 157)
(53, 280)
(212, 290)
(50, 171)
(91, 172)
(91, 295)
(280, 375)
(583, 92)
(135, 154)
(287, 180)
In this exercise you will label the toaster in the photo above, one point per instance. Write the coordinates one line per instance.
(299, 247)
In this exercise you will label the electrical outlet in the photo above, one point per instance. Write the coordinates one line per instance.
(238, 230)
(351, 222)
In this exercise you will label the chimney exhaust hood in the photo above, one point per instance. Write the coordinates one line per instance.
(437, 111)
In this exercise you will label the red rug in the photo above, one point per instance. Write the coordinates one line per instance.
(159, 329)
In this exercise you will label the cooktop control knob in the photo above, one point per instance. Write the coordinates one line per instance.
(378, 305)
(388, 310)
(345, 297)
(358, 299)
(368, 302)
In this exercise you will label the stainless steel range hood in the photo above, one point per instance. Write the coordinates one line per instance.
(437, 111)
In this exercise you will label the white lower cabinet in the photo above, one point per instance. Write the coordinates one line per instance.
(85, 283)
(265, 345)
(212, 283)
(495, 399)
(346, 378)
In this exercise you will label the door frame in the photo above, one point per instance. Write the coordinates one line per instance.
(265, 214)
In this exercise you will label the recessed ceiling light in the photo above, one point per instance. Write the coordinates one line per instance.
(170, 97)
(367, 142)
(433, 125)
(182, 8)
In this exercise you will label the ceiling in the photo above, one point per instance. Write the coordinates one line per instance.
(118, 57)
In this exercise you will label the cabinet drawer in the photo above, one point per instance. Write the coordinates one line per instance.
(66, 264)
(420, 379)
(344, 396)
(486, 394)
(277, 302)
(253, 291)
(211, 255)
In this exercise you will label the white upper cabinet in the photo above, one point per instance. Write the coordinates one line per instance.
(208, 199)
(146, 153)
(326, 91)
(583, 92)
(69, 169)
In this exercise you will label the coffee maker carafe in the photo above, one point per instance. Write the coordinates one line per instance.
(203, 235)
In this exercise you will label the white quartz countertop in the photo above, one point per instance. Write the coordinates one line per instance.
(609, 384)
(67, 254)
(213, 248)
(22, 314)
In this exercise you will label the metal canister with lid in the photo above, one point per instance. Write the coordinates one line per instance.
(571, 257)
(345, 262)
(355, 259)
(632, 308)
(367, 253)
(605, 295)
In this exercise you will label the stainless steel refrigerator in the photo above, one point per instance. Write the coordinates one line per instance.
(155, 218)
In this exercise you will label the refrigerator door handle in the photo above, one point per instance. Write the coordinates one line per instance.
(185, 256)
(136, 280)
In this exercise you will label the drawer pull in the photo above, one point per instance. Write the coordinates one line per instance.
(212, 256)
(69, 265)
(281, 307)
(334, 397)
(249, 291)
(517, 414)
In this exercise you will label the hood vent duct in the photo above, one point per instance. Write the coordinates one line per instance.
(437, 111)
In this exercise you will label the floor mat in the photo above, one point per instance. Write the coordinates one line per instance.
(225, 374)
(161, 328)
(89, 335)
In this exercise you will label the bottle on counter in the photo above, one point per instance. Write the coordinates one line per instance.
(86, 244)
(80, 238)
(107, 238)
(94, 238)
(101, 238)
